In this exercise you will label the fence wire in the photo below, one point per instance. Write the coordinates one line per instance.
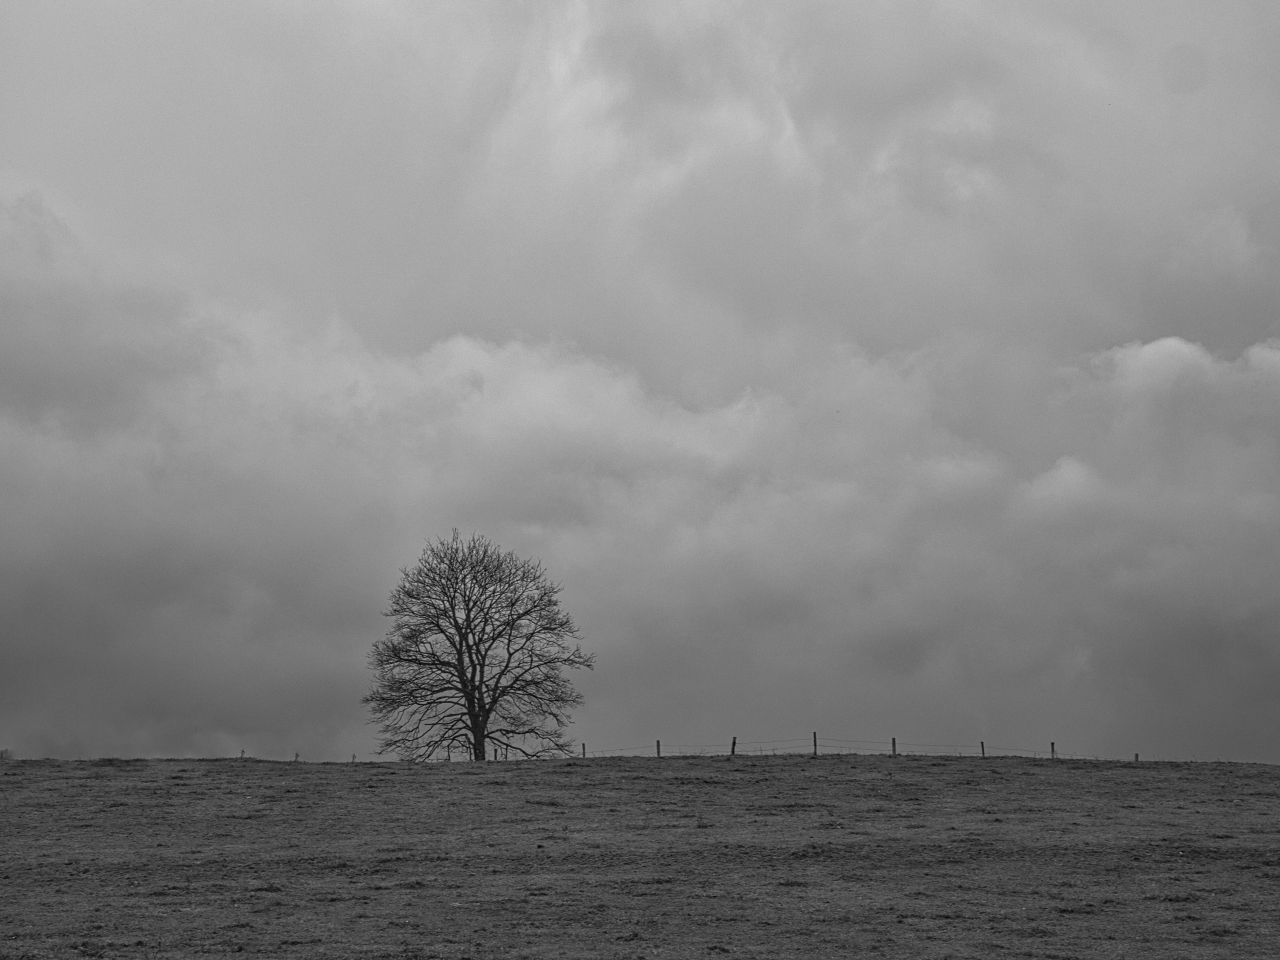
(834, 745)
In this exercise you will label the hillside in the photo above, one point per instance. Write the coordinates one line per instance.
(680, 857)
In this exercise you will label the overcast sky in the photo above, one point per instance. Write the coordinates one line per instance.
(880, 369)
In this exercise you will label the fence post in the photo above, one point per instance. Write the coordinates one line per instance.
(733, 747)
(1135, 758)
(584, 749)
(815, 743)
(1053, 750)
(983, 745)
(659, 742)
(894, 746)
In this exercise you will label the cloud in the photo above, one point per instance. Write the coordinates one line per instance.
(895, 371)
(207, 573)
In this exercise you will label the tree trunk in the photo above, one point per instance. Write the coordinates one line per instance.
(479, 742)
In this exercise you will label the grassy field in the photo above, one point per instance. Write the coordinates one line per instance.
(683, 857)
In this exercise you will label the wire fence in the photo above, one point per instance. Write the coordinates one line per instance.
(814, 745)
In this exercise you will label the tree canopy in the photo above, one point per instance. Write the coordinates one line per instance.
(475, 657)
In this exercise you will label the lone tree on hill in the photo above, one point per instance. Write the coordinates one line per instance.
(474, 656)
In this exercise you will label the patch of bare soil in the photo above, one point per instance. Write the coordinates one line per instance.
(679, 857)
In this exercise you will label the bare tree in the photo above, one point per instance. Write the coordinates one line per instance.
(475, 656)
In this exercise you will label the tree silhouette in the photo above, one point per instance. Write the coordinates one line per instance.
(475, 656)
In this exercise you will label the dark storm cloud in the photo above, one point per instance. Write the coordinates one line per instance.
(893, 369)
(72, 350)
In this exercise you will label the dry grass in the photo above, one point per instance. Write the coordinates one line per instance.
(681, 857)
